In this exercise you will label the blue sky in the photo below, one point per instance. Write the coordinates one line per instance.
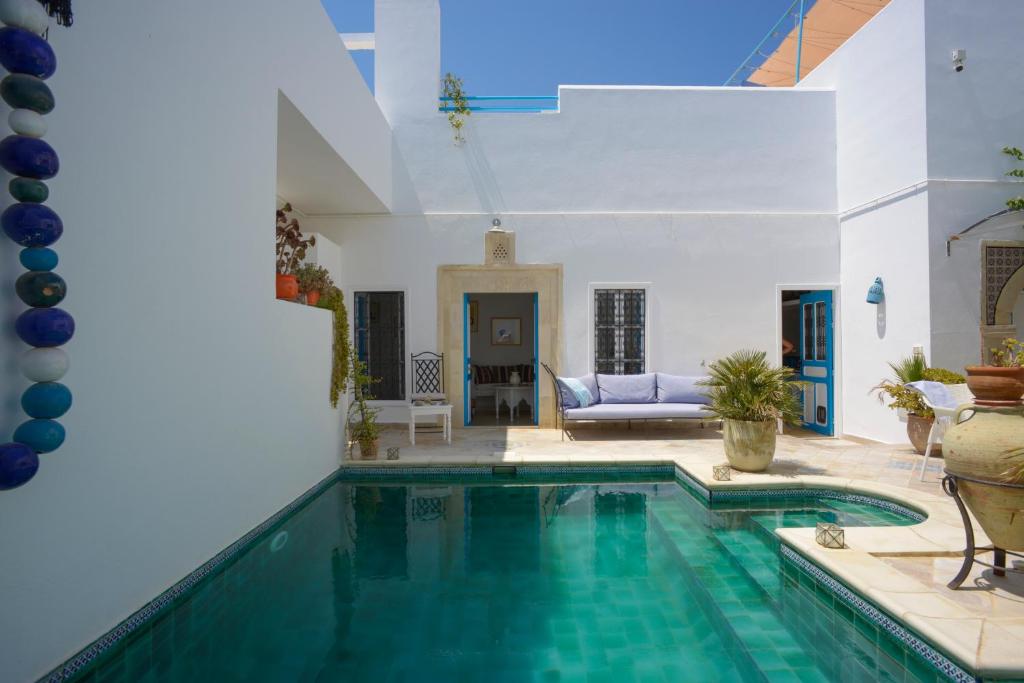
(529, 47)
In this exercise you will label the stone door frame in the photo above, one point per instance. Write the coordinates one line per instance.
(454, 281)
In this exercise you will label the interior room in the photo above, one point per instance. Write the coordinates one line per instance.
(501, 353)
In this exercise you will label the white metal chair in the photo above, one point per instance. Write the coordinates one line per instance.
(944, 400)
(428, 397)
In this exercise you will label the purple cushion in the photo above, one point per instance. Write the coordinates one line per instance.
(628, 388)
(680, 389)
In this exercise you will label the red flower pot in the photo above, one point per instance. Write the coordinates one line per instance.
(313, 297)
(287, 287)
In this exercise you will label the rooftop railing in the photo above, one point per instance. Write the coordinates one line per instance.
(505, 103)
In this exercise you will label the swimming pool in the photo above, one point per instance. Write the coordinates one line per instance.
(520, 581)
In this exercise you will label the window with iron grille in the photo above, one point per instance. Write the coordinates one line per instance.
(620, 344)
(379, 333)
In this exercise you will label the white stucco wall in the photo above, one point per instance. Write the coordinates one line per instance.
(972, 115)
(201, 402)
(712, 289)
(878, 76)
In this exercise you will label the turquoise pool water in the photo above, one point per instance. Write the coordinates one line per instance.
(546, 583)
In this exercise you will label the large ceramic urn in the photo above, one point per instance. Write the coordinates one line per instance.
(988, 448)
(749, 446)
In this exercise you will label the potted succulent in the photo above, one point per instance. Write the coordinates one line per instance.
(362, 419)
(291, 249)
(902, 398)
(1001, 382)
(751, 396)
(313, 281)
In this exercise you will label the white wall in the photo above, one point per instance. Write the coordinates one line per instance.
(631, 149)
(878, 76)
(201, 403)
(972, 115)
(712, 289)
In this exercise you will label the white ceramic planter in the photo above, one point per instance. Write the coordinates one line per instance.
(749, 446)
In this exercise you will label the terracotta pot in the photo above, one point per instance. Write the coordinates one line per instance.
(995, 386)
(917, 431)
(287, 286)
(368, 448)
(989, 445)
(749, 446)
(313, 297)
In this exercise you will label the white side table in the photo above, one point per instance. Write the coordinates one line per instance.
(443, 410)
(512, 394)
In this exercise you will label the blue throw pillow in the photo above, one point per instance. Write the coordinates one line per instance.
(575, 393)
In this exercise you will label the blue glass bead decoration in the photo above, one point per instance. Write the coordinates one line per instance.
(29, 157)
(18, 464)
(32, 225)
(46, 400)
(42, 436)
(38, 258)
(41, 288)
(23, 52)
(45, 327)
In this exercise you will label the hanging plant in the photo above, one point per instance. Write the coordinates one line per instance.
(334, 300)
(455, 104)
(1017, 203)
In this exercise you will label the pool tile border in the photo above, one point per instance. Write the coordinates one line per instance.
(142, 616)
(940, 662)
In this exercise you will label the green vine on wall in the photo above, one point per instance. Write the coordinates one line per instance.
(1017, 203)
(334, 300)
(456, 104)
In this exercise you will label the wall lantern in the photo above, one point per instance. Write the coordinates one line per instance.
(876, 293)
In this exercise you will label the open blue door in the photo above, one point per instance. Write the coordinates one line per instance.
(536, 360)
(467, 367)
(816, 360)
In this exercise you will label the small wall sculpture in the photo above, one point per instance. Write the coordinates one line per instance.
(29, 59)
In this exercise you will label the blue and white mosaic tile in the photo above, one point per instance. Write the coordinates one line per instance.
(942, 664)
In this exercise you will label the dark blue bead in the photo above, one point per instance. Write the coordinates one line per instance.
(18, 464)
(46, 400)
(38, 258)
(42, 436)
(41, 288)
(29, 157)
(45, 327)
(32, 225)
(23, 52)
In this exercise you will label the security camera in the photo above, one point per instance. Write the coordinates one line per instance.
(959, 56)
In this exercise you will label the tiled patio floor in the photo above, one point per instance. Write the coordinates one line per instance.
(903, 569)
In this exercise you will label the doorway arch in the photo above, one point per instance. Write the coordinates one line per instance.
(1002, 278)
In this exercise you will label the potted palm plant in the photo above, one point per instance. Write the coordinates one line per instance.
(313, 281)
(1001, 382)
(291, 249)
(902, 398)
(750, 396)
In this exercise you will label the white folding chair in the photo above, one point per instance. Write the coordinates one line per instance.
(945, 409)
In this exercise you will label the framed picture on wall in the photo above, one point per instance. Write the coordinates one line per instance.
(474, 316)
(506, 331)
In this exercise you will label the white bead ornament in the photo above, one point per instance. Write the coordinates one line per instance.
(44, 364)
(27, 122)
(26, 14)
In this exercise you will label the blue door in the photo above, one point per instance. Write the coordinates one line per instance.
(816, 360)
(536, 360)
(467, 365)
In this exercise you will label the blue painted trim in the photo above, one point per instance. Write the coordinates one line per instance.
(943, 665)
(828, 365)
(467, 416)
(536, 359)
